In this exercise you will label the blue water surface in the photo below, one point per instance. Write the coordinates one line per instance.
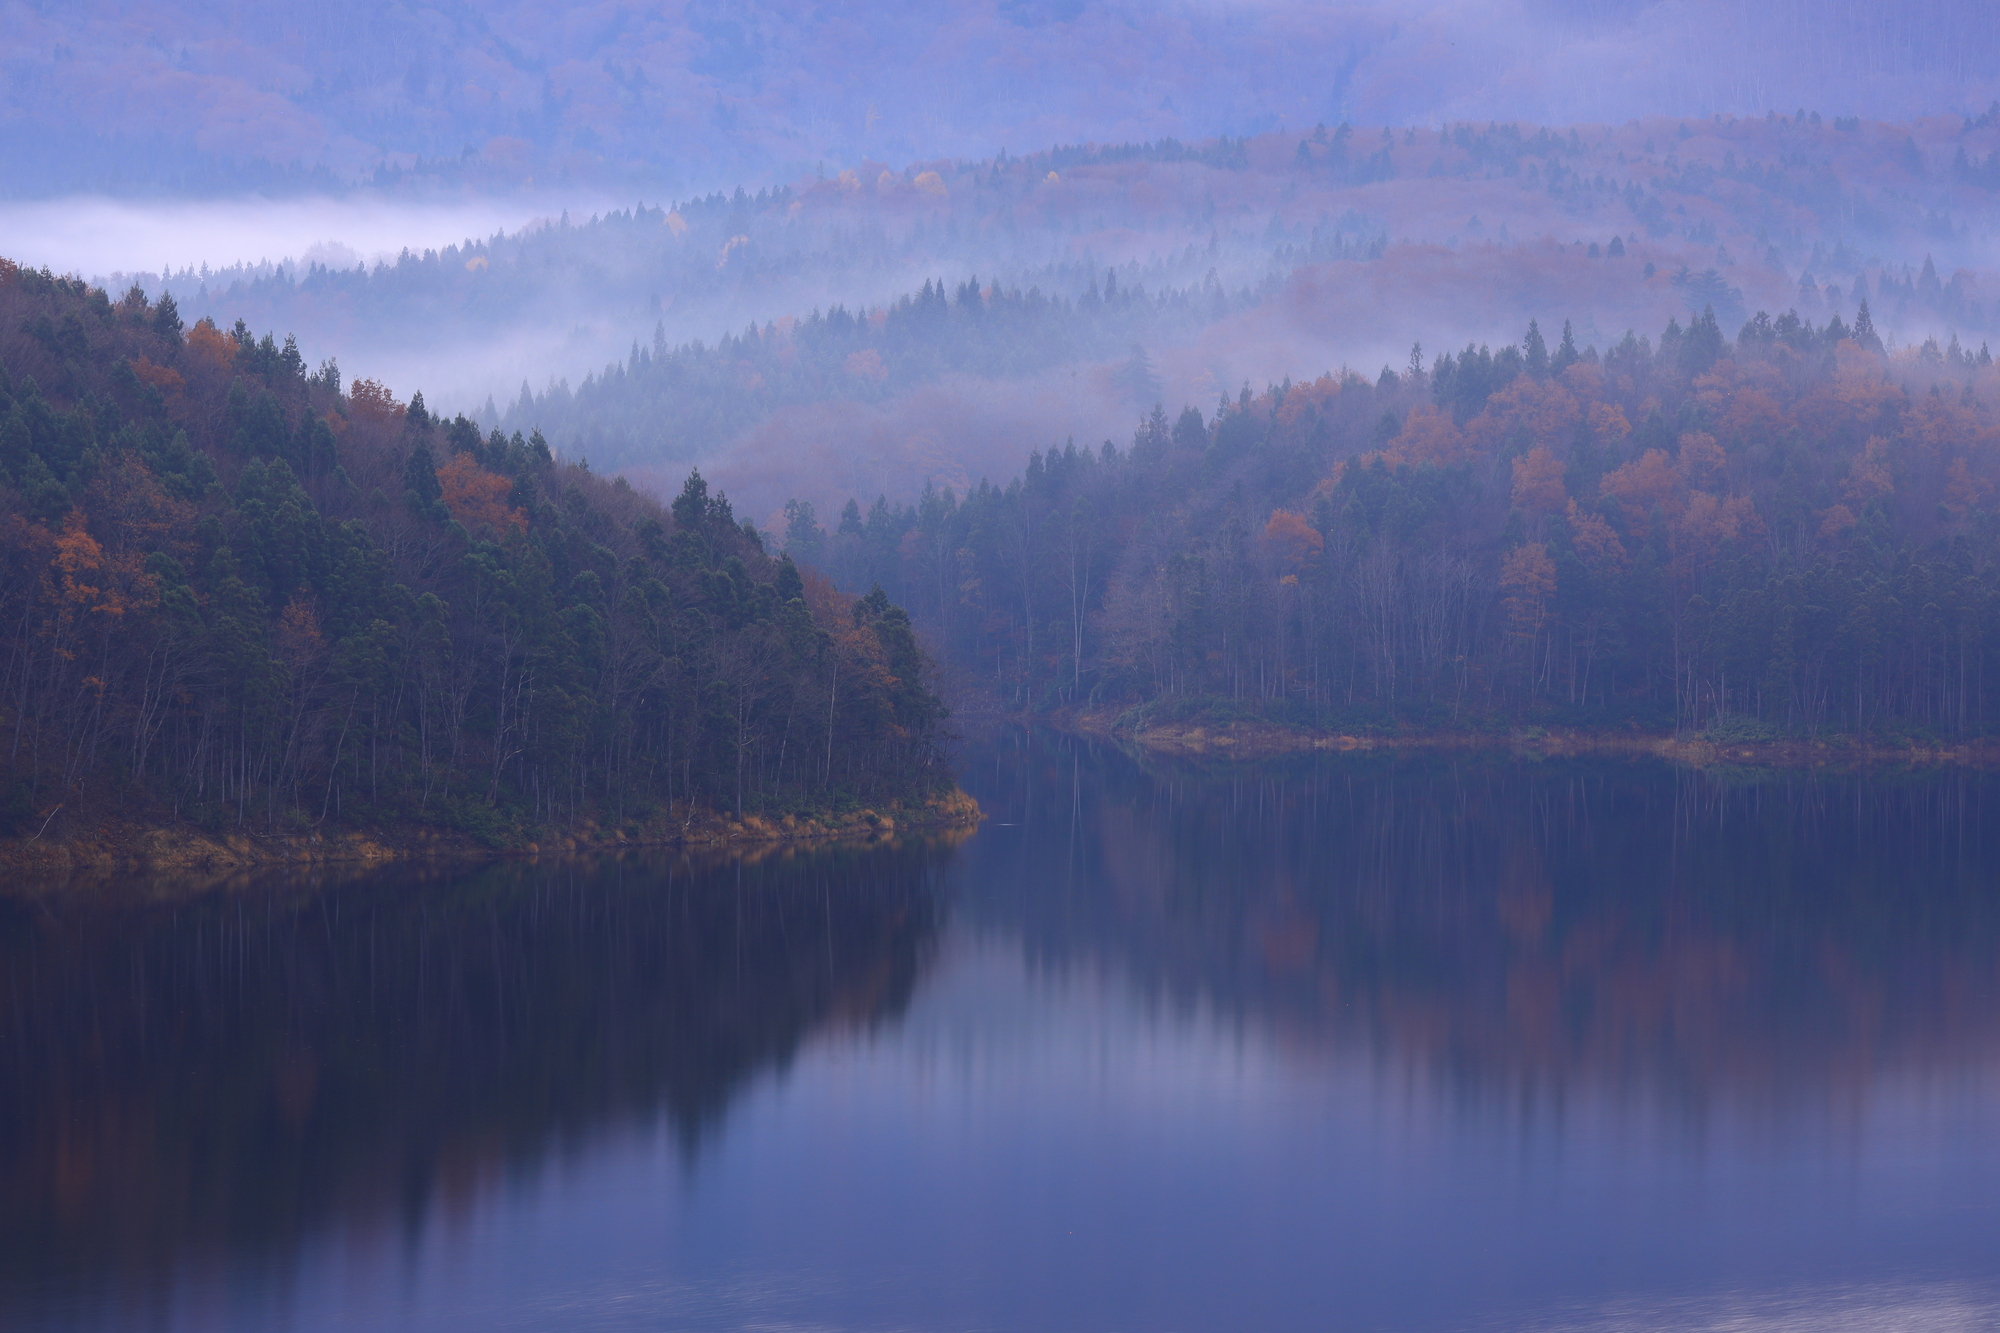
(1330, 1044)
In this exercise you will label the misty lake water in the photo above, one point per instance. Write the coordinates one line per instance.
(1329, 1044)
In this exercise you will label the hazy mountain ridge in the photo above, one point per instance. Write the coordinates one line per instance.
(173, 97)
(1338, 245)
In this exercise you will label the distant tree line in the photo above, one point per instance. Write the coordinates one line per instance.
(248, 595)
(677, 402)
(1789, 533)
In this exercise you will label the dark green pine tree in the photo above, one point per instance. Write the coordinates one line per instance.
(1534, 350)
(421, 487)
(1703, 345)
(1566, 353)
(1864, 329)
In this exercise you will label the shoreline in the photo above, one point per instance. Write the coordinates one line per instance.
(111, 845)
(1251, 741)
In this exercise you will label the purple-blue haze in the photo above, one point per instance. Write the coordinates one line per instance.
(171, 96)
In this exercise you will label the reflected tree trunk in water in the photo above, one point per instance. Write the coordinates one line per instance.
(246, 1065)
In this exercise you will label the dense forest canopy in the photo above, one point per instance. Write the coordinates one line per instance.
(252, 595)
(1788, 533)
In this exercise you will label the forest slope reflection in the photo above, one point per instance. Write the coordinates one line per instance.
(1523, 930)
(225, 1084)
(226, 1074)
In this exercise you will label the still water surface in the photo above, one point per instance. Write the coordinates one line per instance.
(1326, 1045)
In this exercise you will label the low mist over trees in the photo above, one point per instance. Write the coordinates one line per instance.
(257, 596)
(692, 400)
(1788, 533)
(1254, 253)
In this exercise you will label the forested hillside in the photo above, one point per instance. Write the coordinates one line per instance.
(239, 594)
(691, 401)
(1793, 532)
(663, 335)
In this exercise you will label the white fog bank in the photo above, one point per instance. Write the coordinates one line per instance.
(97, 237)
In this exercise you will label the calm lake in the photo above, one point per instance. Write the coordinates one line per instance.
(1332, 1044)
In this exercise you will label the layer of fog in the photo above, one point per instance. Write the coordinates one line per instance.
(1325, 273)
(1360, 318)
(101, 238)
(954, 433)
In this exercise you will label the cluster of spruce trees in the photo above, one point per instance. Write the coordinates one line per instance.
(258, 597)
(1788, 534)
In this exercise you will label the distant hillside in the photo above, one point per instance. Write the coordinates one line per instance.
(1787, 533)
(177, 97)
(1236, 259)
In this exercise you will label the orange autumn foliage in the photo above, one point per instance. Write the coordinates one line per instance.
(1538, 482)
(1836, 521)
(1754, 414)
(478, 498)
(1648, 481)
(164, 378)
(78, 556)
(1428, 436)
(1607, 422)
(86, 587)
(1701, 460)
(1293, 540)
(211, 345)
(866, 364)
(371, 401)
(1868, 476)
(1595, 541)
(1528, 577)
(1707, 521)
(1307, 399)
(1546, 411)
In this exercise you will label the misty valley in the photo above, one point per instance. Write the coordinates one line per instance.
(1027, 665)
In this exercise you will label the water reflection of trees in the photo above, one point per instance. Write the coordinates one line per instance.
(231, 1071)
(1520, 927)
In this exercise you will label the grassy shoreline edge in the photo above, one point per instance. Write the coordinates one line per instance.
(1249, 741)
(109, 844)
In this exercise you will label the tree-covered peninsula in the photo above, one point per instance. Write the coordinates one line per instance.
(239, 597)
